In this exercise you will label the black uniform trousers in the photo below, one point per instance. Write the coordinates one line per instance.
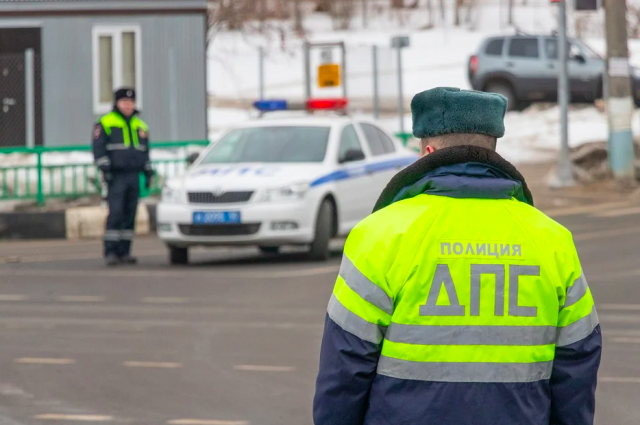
(122, 197)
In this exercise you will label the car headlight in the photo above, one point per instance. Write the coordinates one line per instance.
(171, 195)
(287, 193)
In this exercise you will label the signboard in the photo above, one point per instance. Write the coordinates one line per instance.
(400, 42)
(619, 67)
(587, 4)
(326, 56)
(329, 75)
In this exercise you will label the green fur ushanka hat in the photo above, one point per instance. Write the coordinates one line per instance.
(446, 110)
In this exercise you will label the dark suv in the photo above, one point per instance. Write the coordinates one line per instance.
(525, 69)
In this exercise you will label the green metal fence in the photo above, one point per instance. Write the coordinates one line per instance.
(36, 176)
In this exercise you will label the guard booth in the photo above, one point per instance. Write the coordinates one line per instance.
(60, 61)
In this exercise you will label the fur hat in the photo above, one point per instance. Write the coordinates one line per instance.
(446, 110)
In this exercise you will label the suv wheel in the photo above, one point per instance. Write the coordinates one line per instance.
(506, 90)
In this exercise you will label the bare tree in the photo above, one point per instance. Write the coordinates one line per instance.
(342, 12)
(429, 6)
(510, 18)
(443, 11)
(365, 13)
(297, 17)
(456, 12)
(397, 4)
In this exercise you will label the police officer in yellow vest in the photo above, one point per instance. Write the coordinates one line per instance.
(458, 302)
(121, 152)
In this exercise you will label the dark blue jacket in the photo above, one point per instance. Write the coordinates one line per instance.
(350, 392)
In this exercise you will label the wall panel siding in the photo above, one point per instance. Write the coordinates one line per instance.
(68, 76)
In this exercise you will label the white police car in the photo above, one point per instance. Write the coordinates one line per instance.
(275, 182)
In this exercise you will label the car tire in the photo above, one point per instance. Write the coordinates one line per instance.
(506, 90)
(178, 255)
(319, 249)
(270, 250)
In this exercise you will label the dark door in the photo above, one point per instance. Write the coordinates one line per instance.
(14, 43)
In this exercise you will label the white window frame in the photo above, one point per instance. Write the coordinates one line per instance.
(115, 31)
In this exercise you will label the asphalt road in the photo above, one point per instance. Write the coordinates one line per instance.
(232, 339)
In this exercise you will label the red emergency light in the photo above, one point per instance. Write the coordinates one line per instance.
(327, 104)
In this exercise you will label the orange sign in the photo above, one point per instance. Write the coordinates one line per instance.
(329, 75)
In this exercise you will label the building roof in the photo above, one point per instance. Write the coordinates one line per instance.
(13, 8)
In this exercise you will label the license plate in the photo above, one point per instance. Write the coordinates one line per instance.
(216, 217)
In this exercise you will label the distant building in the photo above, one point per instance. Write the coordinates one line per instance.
(60, 61)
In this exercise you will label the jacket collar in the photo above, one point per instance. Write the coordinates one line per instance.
(458, 172)
(117, 111)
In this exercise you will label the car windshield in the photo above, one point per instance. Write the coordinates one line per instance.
(270, 144)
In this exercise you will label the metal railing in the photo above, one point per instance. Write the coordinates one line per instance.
(41, 179)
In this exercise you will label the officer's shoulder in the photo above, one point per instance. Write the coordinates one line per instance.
(399, 217)
(538, 221)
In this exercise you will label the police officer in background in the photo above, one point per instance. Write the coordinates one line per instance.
(121, 152)
(458, 302)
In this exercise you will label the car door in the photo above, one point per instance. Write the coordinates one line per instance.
(524, 62)
(383, 164)
(354, 191)
(585, 71)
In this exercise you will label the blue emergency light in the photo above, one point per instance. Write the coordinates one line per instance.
(272, 105)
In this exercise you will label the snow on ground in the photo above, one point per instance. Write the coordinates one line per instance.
(436, 57)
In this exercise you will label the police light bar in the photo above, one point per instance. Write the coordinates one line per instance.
(272, 105)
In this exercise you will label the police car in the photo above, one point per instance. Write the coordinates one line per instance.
(280, 181)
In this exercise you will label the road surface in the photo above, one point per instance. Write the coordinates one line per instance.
(232, 339)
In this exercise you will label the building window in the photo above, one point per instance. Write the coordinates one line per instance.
(116, 63)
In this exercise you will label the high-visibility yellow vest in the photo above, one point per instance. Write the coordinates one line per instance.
(463, 290)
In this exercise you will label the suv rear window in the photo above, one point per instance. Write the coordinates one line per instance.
(494, 48)
(524, 48)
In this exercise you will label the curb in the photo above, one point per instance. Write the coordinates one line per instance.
(71, 224)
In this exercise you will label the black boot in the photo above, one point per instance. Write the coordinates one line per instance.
(128, 259)
(111, 260)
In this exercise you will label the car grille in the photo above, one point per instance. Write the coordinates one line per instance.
(225, 198)
(219, 229)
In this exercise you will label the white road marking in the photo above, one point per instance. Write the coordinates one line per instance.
(617, 212)
(560, 212)
(159, 365)
(620, 318)
(264, 274)
(620, 379)
(81, 299)
(260, 368)
(12, 297)
(623, 307)
(165, 300)
(75, 418)
(205, 422)
(606, 234)
(36, 360)
(622, 340)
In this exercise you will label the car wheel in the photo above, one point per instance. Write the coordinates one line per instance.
(506, 90)
(178, 255)
(319, 249)
(269, 249)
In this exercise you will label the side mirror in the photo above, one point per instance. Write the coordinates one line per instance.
(192, 158)
(579, 57)
(352, 155)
